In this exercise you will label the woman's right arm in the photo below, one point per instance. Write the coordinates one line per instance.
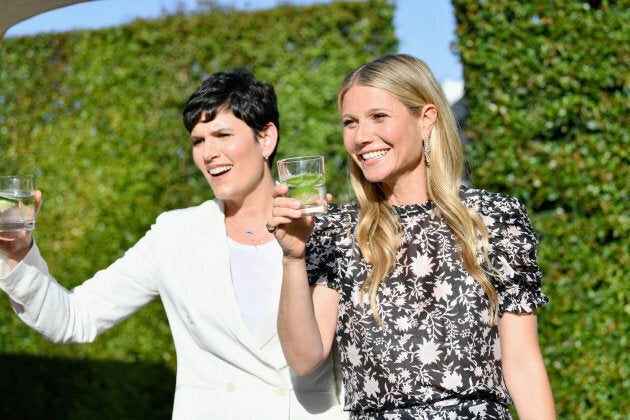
(307, 316)
(81, 314)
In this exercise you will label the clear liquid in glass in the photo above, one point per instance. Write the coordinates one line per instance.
(17, 211)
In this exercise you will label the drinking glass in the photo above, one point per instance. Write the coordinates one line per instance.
(305, 176)
(17, 203)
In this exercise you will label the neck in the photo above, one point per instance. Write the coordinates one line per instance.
(256, 203)
(245, 220)
(409, 189)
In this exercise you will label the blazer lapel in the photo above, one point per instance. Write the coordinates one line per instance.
(218, 287)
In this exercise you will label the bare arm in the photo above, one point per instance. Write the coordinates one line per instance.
(307, 319)
(523, 367)
(307, 316)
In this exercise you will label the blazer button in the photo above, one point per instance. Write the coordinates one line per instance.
(189, 318)
(230, 387)
(282, 391)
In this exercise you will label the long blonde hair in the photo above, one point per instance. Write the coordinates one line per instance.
(378, 230)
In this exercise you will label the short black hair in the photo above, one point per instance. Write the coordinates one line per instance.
(250, 100)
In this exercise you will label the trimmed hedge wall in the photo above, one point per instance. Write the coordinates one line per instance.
(547, 88)
(97, 116)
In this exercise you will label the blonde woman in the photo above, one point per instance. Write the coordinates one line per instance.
(430, 288)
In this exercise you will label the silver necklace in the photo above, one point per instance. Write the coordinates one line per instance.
(247, 232)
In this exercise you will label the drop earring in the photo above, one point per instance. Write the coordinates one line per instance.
(427, 150)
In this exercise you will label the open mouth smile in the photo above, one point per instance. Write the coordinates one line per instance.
(373, 155)
(219, 170)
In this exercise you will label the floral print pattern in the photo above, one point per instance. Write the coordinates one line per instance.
(436, 351)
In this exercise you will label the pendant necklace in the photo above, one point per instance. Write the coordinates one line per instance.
(247, 232)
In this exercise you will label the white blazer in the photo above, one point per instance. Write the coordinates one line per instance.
(223, 371)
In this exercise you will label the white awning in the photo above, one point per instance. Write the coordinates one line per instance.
(15, 11)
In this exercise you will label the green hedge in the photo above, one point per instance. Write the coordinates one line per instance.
(547, 88)
(97, 116)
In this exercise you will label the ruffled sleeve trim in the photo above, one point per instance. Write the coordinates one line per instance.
(513, 252)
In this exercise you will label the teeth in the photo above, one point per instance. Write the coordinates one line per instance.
(220, 169)
(372, 155)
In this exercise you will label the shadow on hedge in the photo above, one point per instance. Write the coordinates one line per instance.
(54, 388)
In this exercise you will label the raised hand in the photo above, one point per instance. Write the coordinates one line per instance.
(292, 230)
(15, 245)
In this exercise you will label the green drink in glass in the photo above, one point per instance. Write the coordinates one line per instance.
(306, 179)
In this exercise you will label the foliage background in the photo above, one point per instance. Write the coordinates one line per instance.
(97, 116)
(547, 89)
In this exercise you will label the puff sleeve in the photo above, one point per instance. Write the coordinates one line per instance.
(329, 246)
(513, 252)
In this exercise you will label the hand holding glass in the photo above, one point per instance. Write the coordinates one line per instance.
(17, 203)
(306, 179)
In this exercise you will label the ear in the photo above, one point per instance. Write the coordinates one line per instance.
(269, 139)
(428, 116)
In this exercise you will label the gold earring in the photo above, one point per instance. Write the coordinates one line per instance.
(427, 150)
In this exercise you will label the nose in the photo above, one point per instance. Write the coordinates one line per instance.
(362, 134)
(209, 151)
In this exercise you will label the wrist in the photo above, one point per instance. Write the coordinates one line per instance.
(293, 260)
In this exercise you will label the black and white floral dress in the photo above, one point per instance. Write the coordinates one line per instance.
(437, 356)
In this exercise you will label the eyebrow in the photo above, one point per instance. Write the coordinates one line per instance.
(368, 112)
(379, 109)
(215, 132)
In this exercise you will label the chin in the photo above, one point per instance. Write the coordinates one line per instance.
(372, 175)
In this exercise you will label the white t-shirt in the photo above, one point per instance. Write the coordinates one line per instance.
(256, 277)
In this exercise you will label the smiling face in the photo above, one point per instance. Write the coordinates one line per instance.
(230, 156)
(385, 140)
